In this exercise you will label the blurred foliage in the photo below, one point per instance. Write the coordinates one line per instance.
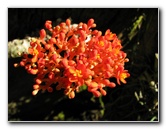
(135, 101)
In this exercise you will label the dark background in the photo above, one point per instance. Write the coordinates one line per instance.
(140, 41)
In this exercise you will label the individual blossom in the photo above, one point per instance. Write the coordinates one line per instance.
(74, 56)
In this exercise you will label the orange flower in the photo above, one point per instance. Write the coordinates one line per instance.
(74, 56)
(122, 76)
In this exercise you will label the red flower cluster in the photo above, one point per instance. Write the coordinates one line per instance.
(74, 56)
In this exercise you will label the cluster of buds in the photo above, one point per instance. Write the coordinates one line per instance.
(75, 56)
